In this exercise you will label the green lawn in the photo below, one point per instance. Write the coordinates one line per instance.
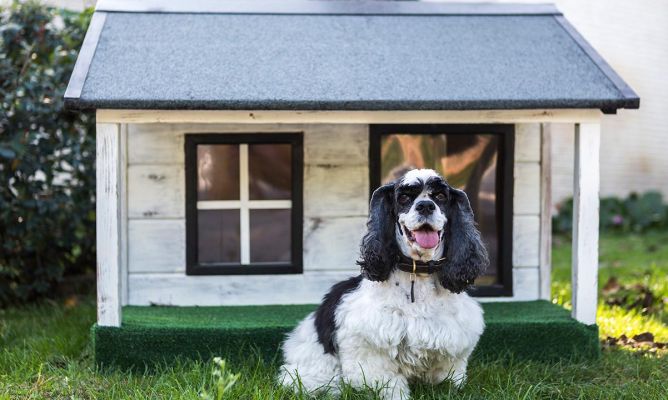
(45, 350)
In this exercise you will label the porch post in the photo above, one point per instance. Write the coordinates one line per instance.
(585, 222)
(108, 224)
(545, 266)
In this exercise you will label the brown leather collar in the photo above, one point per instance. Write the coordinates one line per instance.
(419, 267)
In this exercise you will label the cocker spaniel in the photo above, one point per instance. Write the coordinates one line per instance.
(407, 316)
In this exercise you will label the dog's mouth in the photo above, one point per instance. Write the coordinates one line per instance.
(425, 236)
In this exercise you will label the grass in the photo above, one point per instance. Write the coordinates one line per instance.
(45, 351)
(633, 259)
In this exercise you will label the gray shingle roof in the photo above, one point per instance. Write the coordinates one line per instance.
(351, 56)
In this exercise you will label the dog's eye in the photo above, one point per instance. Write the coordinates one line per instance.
(403, 199)
(440, 196)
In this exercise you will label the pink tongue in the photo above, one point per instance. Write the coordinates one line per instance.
(426, 239)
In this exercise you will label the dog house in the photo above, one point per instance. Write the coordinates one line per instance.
(238, 143)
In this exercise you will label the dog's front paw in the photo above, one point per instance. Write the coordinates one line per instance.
(397, 392)
(459, 380)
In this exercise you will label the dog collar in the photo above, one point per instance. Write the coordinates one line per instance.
(418, 267)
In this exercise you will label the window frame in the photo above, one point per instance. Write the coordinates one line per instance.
(193, 267)
(504, 186)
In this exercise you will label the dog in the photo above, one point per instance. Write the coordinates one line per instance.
(407, 316)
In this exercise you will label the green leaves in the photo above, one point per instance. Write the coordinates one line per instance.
(636, 213)
(47, 175)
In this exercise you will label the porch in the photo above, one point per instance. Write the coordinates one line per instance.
(533, 330)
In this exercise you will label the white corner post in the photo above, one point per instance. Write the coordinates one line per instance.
(585, 222)
(545, 211)
(108, 224)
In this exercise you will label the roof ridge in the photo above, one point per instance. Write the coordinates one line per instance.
(329, 7)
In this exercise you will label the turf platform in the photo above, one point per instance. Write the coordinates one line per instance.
(536, 330)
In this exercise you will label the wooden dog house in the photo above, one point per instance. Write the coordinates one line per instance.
(238, 142)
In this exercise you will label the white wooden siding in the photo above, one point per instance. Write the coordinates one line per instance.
(332, 243)
(179, 289)
(157, 191)
(157, 245)
(336, 196)
(335, 208)
(527, 212)
(526, 237)
(334, 190)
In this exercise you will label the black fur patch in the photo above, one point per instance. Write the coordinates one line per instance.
(324, 315)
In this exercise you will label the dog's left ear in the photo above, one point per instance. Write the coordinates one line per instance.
(466, 255)
(379, 246)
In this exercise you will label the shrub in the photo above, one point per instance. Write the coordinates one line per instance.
(47, 176)
(636, 213)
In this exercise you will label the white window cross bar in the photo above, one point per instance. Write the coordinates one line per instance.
(236, 204)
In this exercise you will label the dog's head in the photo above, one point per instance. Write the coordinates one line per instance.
(424, 218)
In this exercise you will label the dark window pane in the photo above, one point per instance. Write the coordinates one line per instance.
(270, 235)
(218, 172)
(468, 162)
(218, 236)
(270, 171)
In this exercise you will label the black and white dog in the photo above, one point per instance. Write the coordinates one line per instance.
(406, 317)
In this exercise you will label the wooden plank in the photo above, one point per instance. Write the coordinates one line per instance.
(86, 53)
(336, 144)
(244, 222)
(336, 190)
(527, 142)
(157, 245)
(585, 222)
(526, 195)
(179, 290)
(155, 144)
(525, 287)
(108, 224)
(124, 212)
(236, 204)
(526, 237)
(347, 117)
(525, 284)
(324, 144)
(156, 191)
(546, 213)
(332, 243)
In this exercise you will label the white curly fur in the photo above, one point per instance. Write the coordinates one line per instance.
(385, 341)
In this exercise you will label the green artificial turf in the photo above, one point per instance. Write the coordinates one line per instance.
(534, 330)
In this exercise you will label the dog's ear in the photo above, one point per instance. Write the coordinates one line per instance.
(379, 245)
(466, 255)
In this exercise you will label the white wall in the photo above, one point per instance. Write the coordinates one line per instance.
(335, 208)
(633, 37)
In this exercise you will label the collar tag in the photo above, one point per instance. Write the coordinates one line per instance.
(413, 276)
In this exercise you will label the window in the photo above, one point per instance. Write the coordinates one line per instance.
(475, 158)
(243, 203)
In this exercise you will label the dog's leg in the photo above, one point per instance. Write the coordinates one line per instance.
(459, 371)
(448, 368)
(375, 371)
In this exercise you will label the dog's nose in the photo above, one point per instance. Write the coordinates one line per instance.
(425, 207)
